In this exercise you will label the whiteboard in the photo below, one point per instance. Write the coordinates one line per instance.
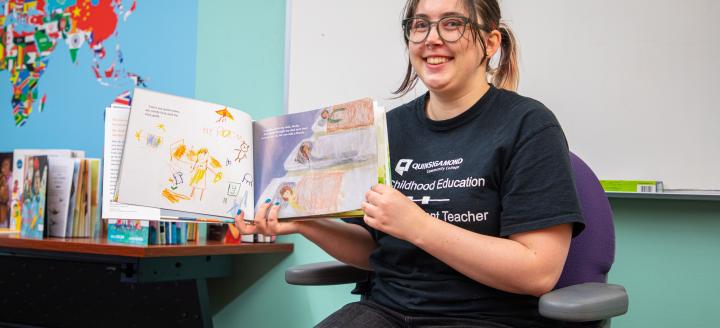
(631, 81)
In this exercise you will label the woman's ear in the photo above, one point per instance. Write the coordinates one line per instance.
(492, 43)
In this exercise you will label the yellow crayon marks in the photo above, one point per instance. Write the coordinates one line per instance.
(224, 115)
(179, 151)
(173, 197)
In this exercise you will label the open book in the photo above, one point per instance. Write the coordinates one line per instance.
(206, 160)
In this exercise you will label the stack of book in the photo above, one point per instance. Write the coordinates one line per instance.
(50, 192)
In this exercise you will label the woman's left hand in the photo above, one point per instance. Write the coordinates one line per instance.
(389, 211)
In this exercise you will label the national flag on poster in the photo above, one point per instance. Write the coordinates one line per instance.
(96, 70)
(75, 40)
(35, 20)
(130, 11)
(42, 102)
(123, 99)
(51, 28)
(109, 71)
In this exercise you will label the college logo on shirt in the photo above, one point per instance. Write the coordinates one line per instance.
(403, 166)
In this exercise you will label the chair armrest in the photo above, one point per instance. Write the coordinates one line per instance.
(324, 273)
(584, 302)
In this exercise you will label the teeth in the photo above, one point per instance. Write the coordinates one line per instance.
(436, 60)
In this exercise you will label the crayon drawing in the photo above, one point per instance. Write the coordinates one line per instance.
(319, 192)
(196, 164)
(347, 116)
(331, 150)
(327, 167)
(196, 150)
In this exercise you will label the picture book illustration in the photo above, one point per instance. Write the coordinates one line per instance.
(186, 155)
(35, 174)
(321, 162)
(6, 160)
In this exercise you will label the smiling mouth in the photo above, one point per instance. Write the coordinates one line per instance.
(436, 60)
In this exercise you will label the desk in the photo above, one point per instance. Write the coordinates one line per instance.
(82, 282)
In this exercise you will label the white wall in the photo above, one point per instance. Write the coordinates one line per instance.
(342, 50)
(631, 81)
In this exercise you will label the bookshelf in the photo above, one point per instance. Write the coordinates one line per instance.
(705, 195)
(75, 282)
(103, 247)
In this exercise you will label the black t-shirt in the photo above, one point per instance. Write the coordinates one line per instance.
(500, 168)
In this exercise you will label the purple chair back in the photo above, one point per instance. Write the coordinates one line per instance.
(593, 251)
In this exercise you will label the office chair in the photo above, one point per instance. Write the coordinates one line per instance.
(582, 293)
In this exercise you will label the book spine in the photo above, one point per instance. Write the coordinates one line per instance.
(152, 239)
(161, 226)
(644, 186)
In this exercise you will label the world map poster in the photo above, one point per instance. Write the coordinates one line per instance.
(62, 62)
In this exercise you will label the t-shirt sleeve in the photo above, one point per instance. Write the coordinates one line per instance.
(361, 222)
(538, 189)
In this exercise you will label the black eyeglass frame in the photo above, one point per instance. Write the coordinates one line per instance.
(466, 21)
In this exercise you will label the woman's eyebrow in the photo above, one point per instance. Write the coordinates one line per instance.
(446, 14)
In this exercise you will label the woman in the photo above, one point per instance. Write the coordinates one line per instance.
(495, 202)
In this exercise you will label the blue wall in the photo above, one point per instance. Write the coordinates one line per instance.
(158, 42)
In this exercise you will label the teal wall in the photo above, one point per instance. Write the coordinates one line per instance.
(667, 259)
(240, 62)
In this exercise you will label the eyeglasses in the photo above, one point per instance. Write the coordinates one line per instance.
(449, 28)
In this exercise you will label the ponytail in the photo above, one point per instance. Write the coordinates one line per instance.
(507, 74)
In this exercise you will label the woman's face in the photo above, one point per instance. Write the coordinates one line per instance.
(446, 66)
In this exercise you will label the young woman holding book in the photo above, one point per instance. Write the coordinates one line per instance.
(479, 219)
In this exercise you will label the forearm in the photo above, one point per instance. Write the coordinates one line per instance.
(349, 243)
(501, 263)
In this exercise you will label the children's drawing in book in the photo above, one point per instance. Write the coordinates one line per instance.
(321, 162)
(33, 205)
(210, 160)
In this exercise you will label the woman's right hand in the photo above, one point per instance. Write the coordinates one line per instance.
(266, 222)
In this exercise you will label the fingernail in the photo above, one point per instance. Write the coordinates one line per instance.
(277, 203)
(239, 211)
(267, 200)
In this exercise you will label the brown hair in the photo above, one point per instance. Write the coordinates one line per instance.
(506, 75)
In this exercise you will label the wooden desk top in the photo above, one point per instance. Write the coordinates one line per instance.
(102, 247)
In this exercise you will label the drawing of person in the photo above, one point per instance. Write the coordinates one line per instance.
(289, 197)
(303, 153)
(321, 122)
(198, 171)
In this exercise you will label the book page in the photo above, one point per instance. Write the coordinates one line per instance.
(116, 121)
(187, 155)
(319, 162)
(60, 179)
